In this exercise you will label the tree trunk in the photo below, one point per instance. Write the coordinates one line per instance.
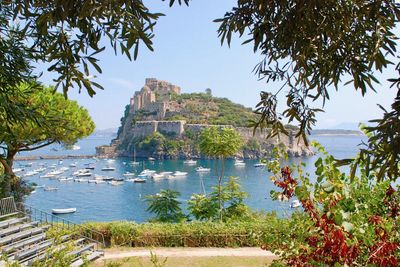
(220, 188)
(8, 173)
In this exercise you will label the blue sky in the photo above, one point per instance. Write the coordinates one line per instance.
(188, 53)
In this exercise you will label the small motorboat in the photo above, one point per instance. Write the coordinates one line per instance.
(146, 173)
(151, 159)
(190, 162)
(157, 176)
(81, 180)
(49, 188)
(179, 173)
(29, 164)
(73, 165)
(258, 165)
(63, 211)
(31, 173)
(128, 174)
(108, 168)
(17, 170)
(134, 163)
(138, 180)
(116, 183)
(239, 163)
(47, 175)
(202, 169)
(166, 173)
(90, 167)
(295, 204)
(118, 179)
(100, 182)
(82, 173)
(66, 179)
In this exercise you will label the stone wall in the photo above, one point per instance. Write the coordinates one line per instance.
(171, 127)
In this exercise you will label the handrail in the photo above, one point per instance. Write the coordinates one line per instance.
(42, 216)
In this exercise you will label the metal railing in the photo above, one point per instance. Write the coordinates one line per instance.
(55, 221)
(7, 207)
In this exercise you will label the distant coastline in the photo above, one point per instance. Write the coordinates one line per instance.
(336, 132)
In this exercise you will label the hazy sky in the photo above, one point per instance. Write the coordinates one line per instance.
(188, 53)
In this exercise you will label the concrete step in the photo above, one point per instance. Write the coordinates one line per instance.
(90, 257)
(22, 235)
(17, 228)
(12, 221)
(48, 254)
(34, 250)
(23, 243)
(81, 250)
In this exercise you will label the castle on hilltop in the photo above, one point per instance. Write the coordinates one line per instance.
(154, 98)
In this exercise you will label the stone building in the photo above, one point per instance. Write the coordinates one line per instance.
(154, 97)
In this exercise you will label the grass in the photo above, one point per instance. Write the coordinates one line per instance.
(186, 261)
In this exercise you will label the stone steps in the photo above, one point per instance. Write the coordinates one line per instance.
(25, 241)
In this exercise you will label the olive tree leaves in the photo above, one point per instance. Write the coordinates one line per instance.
(311, 46)
(69, 34)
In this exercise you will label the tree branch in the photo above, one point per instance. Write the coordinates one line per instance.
(37, 147)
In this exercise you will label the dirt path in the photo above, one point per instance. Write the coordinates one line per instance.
(116, 253)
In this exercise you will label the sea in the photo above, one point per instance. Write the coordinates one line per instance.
(105, 202)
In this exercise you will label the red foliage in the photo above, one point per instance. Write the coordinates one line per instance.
(287, 183)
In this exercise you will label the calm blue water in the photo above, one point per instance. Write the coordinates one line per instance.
(104, 202)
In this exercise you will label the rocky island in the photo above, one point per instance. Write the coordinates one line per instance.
(162, 122)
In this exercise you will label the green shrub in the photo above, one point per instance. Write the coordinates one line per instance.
(191, 234)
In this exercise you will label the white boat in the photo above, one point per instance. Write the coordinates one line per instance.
(202, 169)
(295, 204)
(157, 176)
(190, 162)
(81, 180)
(39, 186)
(100, 182)
(115, 183)
(29, 164)
(151, 159)
(179, 173)
(257, 165)
(134, 163)
(128, 174)
(31, 173)
(49, 188)
(33, 192)
(110, 160)
(58, 172)
(40, 169)
(47, 175)
(64, 169)
(75, 147)
(146, 173)
(239, 163)
(73, 165)
(17, 170)
(66, 179)
(138, 180)
(166, 173)
(63, 211)
(108, 168)
(60, 162)
(82, 173)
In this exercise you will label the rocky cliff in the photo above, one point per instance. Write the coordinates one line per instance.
(163, 123)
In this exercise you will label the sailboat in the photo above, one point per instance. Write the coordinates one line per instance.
(134, 162)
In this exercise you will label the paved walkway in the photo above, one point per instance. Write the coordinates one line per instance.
(188, 252)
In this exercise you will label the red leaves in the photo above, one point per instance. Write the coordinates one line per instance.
(383, 254)
(375, 219)
(288, 184)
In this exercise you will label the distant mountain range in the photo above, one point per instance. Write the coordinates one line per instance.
(336, 132)
(110, 132)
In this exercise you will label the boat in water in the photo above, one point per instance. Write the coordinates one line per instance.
(82, 173)
(295, 204)
(63, 211)
(190, 162)
(139, 180)
(49, 188)
(108, 168)
(128, 174)
(179, 173)
(116, 183)
(239, 163)
(157, 176)
(259, 165)
(202, 169)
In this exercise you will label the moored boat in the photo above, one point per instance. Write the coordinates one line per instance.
(202, 169)
(190, 162)
(108, 168)
(179, 173)
(63, 211)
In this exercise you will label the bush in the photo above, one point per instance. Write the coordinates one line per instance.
(190, 234)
